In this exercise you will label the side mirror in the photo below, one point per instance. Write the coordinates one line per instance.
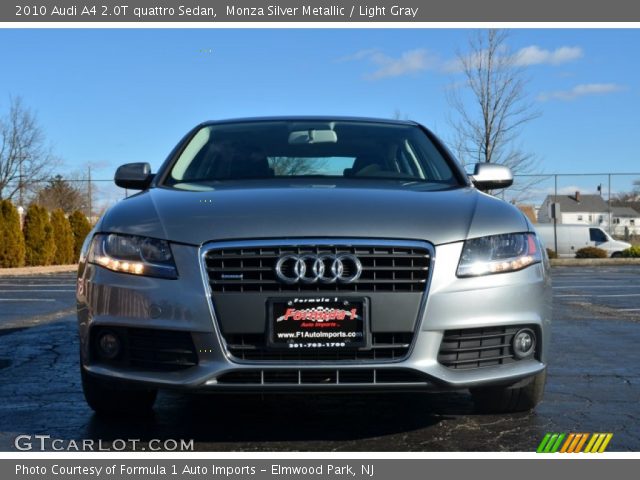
(136, 176)
(489, 176)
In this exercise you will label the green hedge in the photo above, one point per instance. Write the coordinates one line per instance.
(62, 238)
(12, 249)
(632, 252)
(591, 252)
(38, 237)
(44, 238)
(80, 228)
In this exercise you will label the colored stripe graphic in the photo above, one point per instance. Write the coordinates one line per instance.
(550, 443)
(556, 445)
(543, 443)
(574, 442)
(598, 442)
(577, 444)
(567, 443)
(607, 439)
(581, 443)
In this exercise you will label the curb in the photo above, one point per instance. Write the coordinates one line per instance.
(22, 271)
(592, 262)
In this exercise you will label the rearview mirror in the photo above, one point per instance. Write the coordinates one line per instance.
(136, 176)
(489, 176)
(312, 136)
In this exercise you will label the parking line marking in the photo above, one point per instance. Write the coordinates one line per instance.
(599, 296)
(27, 300)
(629, 309)
(594, 286)
(36, 291)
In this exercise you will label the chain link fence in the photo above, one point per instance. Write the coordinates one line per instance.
(608, 200)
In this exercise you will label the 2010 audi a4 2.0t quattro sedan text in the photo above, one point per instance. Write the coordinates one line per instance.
(313, 254)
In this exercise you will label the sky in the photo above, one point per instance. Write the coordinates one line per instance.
(110, 96)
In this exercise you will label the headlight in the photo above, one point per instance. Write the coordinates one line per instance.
(133, 254)
(498, 254)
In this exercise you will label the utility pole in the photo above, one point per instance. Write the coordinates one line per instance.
(90, 216)
(20, 181)
(555, 213)
(609, 202)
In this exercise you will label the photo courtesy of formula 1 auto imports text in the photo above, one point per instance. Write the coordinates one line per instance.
(278, 239)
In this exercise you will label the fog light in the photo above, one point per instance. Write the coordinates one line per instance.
(109, 344)
(524, 343)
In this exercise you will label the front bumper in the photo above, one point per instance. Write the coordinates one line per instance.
(522, 298)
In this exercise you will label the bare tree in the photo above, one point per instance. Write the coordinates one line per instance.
(25, 159)
(62, 194)
(491, 105)
(628, 199)
(293, 166)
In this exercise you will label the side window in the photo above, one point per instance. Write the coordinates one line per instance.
(407, 163)
(597, 235)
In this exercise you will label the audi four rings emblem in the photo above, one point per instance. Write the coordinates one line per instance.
(322, 267)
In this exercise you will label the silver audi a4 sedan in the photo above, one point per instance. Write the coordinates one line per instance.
(313, 254)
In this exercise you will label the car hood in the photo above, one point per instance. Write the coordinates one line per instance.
(329, 211)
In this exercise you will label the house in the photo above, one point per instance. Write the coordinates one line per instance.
(576, 209)
(625, 221)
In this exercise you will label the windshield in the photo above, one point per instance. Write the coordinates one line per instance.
(293, 149)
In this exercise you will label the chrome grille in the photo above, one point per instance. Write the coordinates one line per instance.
(252, 269)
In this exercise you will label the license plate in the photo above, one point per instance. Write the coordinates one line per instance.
(318, 323)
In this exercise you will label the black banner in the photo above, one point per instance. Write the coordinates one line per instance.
(318, 11)
(358, 469)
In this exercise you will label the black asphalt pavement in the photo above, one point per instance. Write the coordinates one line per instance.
(593, 385)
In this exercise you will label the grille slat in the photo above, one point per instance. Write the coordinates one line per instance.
(473, 349)
(479, 347)
(253, 347)
(322, 377)
(384, 269)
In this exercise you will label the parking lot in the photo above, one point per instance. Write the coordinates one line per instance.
(593, 385)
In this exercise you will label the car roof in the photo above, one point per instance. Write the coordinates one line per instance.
(311, 118)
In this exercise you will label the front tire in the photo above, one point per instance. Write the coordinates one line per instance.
(510, 399)
(616, 255)
(110, 397)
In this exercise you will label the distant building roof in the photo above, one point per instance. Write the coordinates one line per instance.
(579, 203)
(626, 212)
(530, 212)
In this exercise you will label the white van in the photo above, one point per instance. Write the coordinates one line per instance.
(572, 238)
